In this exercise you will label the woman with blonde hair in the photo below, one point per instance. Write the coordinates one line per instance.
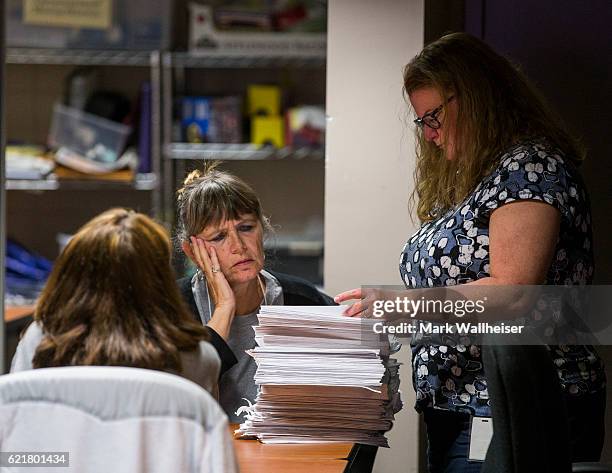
(221, 227)
(112, 300)
(501, 203)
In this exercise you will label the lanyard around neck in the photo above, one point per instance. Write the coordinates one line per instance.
(261, 287)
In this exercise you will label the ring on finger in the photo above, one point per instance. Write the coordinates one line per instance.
(215, 269)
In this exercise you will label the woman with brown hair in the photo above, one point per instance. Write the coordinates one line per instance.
(112, 300)
(501, 203)
(221, 228)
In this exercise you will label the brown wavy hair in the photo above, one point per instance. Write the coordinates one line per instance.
(211, 196)
(112, 299)
(497, 107)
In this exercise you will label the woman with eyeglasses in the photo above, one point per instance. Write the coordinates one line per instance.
(501, 203)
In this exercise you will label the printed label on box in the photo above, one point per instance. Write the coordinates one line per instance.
(72, 13)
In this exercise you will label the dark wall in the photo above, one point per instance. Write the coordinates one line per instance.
(565, 46)
(441, 17)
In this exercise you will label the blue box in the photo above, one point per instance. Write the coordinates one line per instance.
(195, 119)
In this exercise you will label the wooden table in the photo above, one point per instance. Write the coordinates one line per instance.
(16, 313)
(256, 457)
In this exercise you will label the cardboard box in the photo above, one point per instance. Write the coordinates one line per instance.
(204, 38)
(305, 126)
(132, 24)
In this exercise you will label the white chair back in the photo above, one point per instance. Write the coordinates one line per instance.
(124, 420)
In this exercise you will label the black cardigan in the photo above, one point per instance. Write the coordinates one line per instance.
(296, 291)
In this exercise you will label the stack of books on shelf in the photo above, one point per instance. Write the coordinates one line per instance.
(322, 377)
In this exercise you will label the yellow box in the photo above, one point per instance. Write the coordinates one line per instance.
(263, 100)
(268, 130)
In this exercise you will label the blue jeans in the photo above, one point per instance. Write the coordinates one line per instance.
(448, 442)
(448, 434)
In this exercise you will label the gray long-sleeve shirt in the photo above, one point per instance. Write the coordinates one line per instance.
(237, 383)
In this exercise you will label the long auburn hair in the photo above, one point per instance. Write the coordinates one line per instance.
(497, 107)
(112, 299)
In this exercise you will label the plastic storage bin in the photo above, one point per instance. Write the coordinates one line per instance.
(93, 137)
(135, 25)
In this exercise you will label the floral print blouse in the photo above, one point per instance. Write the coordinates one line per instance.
(454, 249)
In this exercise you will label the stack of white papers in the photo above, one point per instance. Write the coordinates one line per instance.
(323, 377)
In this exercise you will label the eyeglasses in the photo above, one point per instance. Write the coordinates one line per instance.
(431, 118)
